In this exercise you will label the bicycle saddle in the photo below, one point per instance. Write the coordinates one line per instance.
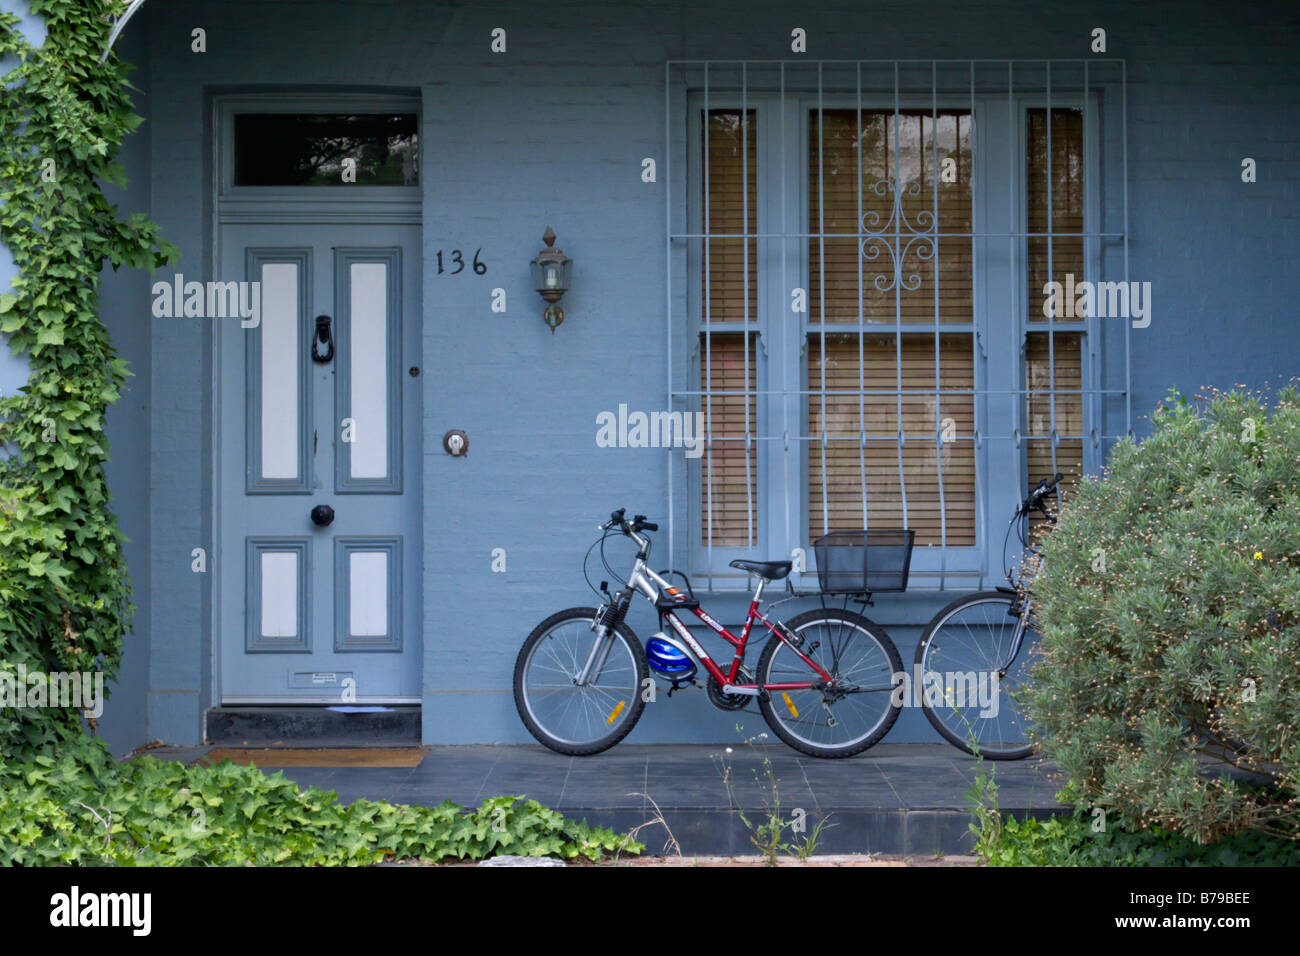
(771, 570)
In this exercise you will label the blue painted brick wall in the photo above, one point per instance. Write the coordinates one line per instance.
(553, 133)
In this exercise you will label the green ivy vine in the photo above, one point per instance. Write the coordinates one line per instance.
(65, 597)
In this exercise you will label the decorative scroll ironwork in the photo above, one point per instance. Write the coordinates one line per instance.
(922, 235)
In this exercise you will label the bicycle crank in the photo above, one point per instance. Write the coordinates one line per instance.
(724, 701)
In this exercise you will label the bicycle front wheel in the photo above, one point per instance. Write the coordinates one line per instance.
(967, 677)
(572, 719)
(858, 655)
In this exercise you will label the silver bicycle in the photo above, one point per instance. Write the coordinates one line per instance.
(975, 653)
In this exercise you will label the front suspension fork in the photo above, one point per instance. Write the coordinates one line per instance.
(1022, 625)
(604, 627)
(599, 654)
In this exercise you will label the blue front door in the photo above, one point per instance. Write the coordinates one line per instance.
(319, 482)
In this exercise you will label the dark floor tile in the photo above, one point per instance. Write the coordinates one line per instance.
(465, 775)
(935, 833)
(843, 784)
(861, 831)
(310, 776)
(426, 795)
(595, 787)
(543, 788)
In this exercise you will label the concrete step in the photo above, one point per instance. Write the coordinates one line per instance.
(894, 799)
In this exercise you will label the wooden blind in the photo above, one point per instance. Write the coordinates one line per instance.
(1062, 365)
(723, 282)
(729, 501)
(894, 153)
(848, 413)
(1065, 212)
(1067, 359)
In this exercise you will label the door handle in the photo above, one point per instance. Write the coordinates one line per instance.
(322, 337)
(322, 515)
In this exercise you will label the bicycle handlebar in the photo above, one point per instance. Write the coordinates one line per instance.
(638, 523)
(1035, 498)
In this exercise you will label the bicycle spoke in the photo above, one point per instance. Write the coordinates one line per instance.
(973, 644)
(852, 657)
(568, 712)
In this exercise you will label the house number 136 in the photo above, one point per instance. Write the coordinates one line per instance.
(458, 260)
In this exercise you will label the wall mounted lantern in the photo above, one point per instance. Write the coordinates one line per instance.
(551, 277)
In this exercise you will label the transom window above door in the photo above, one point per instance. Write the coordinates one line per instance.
(341, 150)
(326, 149)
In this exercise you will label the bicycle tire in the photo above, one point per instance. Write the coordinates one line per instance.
(937, 622)
(800, 623)
(635, 706)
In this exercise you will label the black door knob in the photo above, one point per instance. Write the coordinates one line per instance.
(322, 515)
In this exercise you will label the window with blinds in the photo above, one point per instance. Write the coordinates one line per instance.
(1054, 363)
(893, 382)
(731, 191)
(728, 377)
(892, 181)
(859, 476)
(1043, 396)
(897, 154)
(729, 360)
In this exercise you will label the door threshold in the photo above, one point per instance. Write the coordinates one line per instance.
(236, 700)
(307, 726)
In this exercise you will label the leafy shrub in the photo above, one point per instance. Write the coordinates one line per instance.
(150, 812)
(1169, 603)
(1069, 840)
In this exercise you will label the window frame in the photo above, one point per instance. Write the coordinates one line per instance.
(758, 325)
(1090, 360)
(784, 193)
(241, 198)
(931, 559)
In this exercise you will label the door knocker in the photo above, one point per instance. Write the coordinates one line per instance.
(322, 337)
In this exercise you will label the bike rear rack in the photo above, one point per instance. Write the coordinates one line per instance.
(792, 594)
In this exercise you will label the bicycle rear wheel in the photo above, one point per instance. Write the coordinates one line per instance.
(966, 683)
(854, 651)
(565, 717)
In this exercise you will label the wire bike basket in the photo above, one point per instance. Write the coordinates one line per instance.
(858, 562)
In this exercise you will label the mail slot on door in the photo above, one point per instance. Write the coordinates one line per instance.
(316, 680)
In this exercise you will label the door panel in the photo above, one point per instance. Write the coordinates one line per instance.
(309, 612)
(368, 596)
(277, 377)
(369, 382)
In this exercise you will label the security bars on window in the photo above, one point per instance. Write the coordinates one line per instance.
(857, 257)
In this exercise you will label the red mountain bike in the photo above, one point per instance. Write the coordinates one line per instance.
(822, 682)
